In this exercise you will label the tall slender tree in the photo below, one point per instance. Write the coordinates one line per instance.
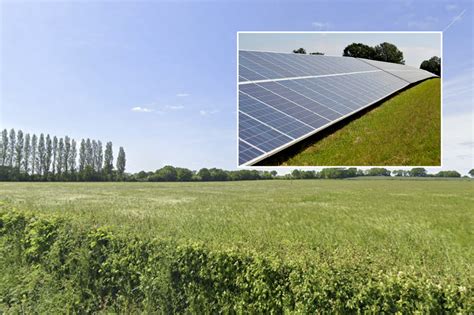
(89, 153)
(48, 155)
(11, 147)
(100, 156)
(82, 156)
(27, 153)
(121, 160)
(60, 164)
(72, 157)
(67, 151)
(95, 148)
(108, 159)
(4, 152)
(20, 142)
(55, 154)
(34, 149)
(41, 155)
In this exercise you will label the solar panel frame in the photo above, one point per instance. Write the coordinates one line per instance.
(302, 79)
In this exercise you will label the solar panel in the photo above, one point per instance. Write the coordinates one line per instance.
(407, 73)
(284, 98)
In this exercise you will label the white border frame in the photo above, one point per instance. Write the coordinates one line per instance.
(265, 167)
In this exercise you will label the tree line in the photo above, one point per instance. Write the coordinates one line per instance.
(335, 173)
(44, 158)
(25, 157)
(383, 52)
(170, 173)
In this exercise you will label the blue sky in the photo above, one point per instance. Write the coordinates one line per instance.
(159, 78)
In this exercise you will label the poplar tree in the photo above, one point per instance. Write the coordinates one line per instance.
(82, 156)
(60, 156)
(108, 159)
(100, 156)
(89, 153)
(73, 157)
(20, 142)
(27, 153)
(55, 154)
(121, 160)
(49, 154)
(41, 155)
(34, 143)
(11, 147)
(94, 155)
(4, 152)
(67, 151)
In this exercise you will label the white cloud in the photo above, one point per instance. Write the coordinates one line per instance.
(451, 7)
(203, 112)
(182, 94)
(174, 107)
(320, 26)
(141, 109)
(427, 23)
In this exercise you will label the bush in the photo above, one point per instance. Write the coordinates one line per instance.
(50, 265)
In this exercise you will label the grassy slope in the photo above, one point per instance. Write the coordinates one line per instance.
(405, 130)
(425, 224)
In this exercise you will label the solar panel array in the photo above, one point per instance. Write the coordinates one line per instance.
(284, 98)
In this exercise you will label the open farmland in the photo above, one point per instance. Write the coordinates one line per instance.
(362, 235)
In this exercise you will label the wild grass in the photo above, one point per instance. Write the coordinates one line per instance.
(426, 224)
(404, 130)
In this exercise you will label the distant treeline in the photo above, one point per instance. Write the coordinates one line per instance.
(178, 174)
(25, 157)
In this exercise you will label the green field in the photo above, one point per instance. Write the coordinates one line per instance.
(404, 130)
(422, 229)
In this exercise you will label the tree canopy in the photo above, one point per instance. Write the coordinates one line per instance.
(359, 50)
(300, 51)
(46, 158)
(383, 52)
(432, 65)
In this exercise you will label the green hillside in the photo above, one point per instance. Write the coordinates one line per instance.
(404, 130)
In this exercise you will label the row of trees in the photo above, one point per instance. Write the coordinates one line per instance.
(179, 174)
(383, 52)
(376, 171)
(31, 157)
(303, 51)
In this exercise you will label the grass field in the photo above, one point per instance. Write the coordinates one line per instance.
(384, 225)
(404, 130)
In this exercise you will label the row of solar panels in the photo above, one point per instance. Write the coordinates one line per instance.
(284, 98)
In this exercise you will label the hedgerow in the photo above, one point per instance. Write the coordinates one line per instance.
(51, 265)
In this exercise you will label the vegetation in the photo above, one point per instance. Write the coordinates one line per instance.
(432, 65)
(46, 159)
(287, 246)
(299, 51)
(404, 130)
(383, 52)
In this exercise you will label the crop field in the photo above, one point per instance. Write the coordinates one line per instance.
(404, 130)
(257, 246)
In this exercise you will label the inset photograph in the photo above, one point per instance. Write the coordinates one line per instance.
(339, 98)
